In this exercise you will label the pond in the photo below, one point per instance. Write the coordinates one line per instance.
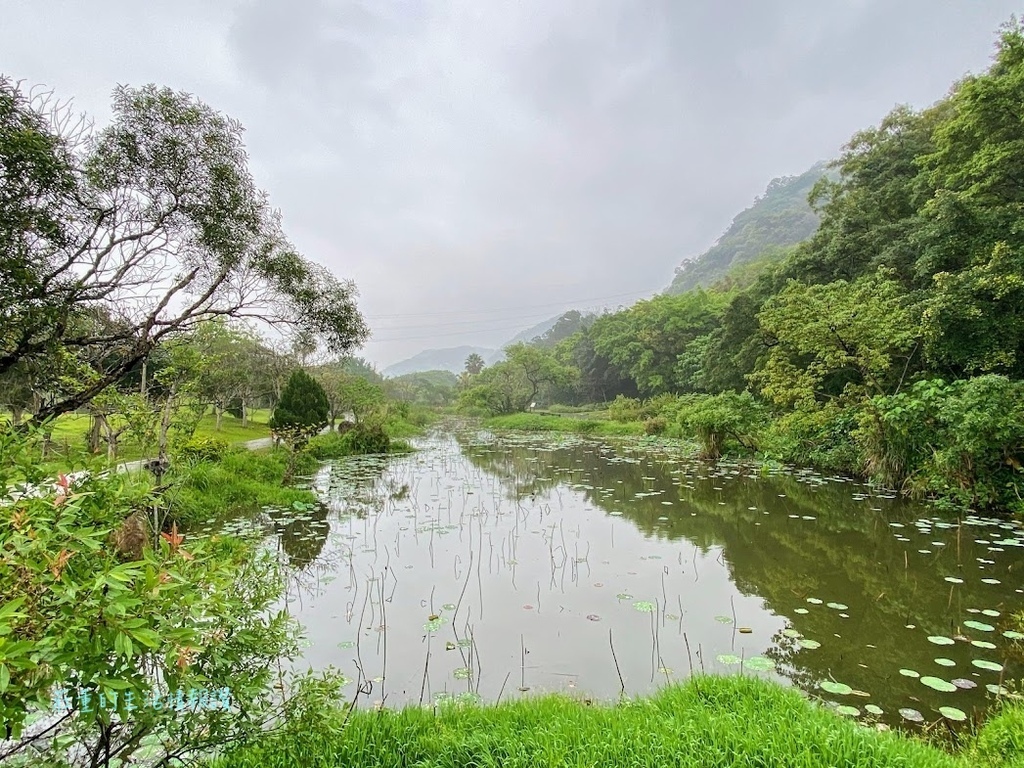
(489, 567)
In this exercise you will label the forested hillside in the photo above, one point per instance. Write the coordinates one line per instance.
(780, 218)
(889, 343)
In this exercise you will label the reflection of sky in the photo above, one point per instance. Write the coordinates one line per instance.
(554, 571)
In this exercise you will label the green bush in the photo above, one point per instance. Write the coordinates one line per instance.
(724, 419)
(624, 409)
(203, 449)
(822, 439)
(962, 441)
(655, 426)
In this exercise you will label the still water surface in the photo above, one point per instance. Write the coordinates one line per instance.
(500, 566)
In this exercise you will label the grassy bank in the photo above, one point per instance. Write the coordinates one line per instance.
(239, 482)
(538, 422)
(709, 721)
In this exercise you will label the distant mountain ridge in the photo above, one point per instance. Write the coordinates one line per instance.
(454, 358)
(778, 219)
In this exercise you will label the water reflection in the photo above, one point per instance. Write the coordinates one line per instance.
(484, 566)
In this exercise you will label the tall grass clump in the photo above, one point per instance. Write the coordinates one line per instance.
(709, 721)
(238, 482)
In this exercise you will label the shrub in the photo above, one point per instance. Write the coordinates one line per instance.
(625, 409)
(718, 419)
(203, 449)
(655, 426)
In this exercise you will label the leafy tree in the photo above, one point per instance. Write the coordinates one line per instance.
(474, 364)
(513, 384)
(160, 227)
(646, 340)
(300, 414)
(835, 339)
(350, 389)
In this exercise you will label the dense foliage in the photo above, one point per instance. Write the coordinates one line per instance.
(887, 343)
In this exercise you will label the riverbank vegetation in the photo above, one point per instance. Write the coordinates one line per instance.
(708, 721)
(887, 344)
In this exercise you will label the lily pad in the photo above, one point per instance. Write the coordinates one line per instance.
(790, 632)
(723, 619)
(938, 684)
(952, 713)
(801, 611)
(728, 658)
(912, 715)
(990, 612)
(954, 580)
(945, 662)
(991, 581)
(940, 640)
(760, 664)
(434, 623)
(839, 689)
(644, 606)
(997, 690)
(624, 596)
(462, 673)
(980, 626)
(838, 606)
(983, 644)
(991, 666)
(810, 645)
(449, 606)
(814, 601)
(846, 709)
(964, 684)
(1013, 635)
(909, 673)
(346, 644)
(874, 709)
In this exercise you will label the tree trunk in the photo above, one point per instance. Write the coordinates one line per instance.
(16, 413)
(94, 434)
(219, 412)
(245, 413)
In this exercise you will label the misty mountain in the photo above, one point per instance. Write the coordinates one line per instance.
(779, 218)
(449, 359)
(454, 358)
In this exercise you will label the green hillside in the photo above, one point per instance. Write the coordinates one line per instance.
(780, 218)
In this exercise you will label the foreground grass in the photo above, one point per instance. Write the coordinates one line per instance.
(537, 422)
(709, 721)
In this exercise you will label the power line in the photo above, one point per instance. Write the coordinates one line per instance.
(464, 313)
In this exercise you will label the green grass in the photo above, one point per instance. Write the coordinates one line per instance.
(537, 422)
(242, 482)
(709, 721)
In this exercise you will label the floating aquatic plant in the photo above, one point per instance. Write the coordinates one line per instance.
(644, 606)
(940, 640)
(938, 684)
(980, 626)
(952, 713)
(909, 673)
(727, 658)
(945, 662)
(912, 715)
(839, 689)
(810, 645)
(991, 666)
(760, 664)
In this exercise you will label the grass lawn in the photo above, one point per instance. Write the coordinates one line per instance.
(708, 721)
(69, 432)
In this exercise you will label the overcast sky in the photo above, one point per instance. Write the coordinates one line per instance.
(478, 165)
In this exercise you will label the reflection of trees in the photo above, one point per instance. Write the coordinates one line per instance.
(845, 554)
(302, 540)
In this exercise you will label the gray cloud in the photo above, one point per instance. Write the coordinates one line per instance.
(476, 166)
